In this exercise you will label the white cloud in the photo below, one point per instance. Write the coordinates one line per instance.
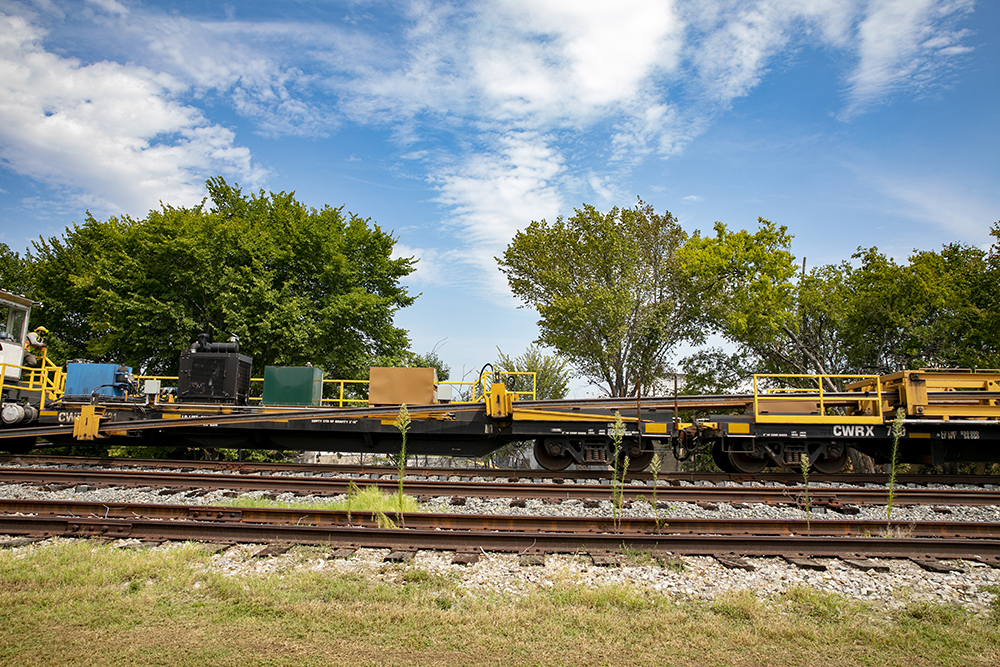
(495, 193)
(111, 133)
(732, 44)
(492, 195)
(958, 209)
(431, 268)
(109, 6)
(733, 56)
(904, 44)
(694, 198)
(258, 67)
(525, 92)
(566, 60)
(600, 188)
(543, 74)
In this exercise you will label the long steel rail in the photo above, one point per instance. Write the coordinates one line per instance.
(249, 414)
(832, 496)
(501, 541)
(85, 510)
(505, 474)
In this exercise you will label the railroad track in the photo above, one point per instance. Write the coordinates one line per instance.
(465, 534)
(505, 474)
(831, 497)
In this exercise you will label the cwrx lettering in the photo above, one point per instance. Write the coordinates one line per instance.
(854, 431)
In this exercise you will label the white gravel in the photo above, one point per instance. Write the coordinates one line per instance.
(702, 577)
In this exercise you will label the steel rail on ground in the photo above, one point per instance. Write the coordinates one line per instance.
(501, 541)
(507, 474)
(831, 496)
(491, 522)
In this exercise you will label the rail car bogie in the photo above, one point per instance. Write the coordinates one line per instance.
(558, 453)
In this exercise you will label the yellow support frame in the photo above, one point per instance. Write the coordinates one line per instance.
(925, 393)
(87, 425)
(787, 397)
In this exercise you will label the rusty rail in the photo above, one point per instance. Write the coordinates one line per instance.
(505, 474)
(500, 541)
(830, 496)
(85, 510)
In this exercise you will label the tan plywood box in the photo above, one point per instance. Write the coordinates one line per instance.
(778, 406)
(392, 386)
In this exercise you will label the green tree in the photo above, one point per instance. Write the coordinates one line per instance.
(14, 272)
(606, 289)
(713, 371)
(430, 360)
(293, 283)
(878, 317)
(940, 310)
(746, 286)
(551, 373)
(780, 322)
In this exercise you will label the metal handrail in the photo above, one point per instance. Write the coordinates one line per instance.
(872, 397)
(47, 379)
(483, 383)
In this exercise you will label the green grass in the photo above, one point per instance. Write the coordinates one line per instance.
(366, 499)
(85, 603)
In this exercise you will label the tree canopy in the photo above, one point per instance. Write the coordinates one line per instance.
(606, 289)
(551, 373)
(874, 317)
(293, 283)
(14, 276)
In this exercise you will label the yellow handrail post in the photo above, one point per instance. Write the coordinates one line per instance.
(756, 409)
(819, 383)
(878, 392)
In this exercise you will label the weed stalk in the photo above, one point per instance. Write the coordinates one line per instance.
(618, 483)
(403, 424)
(804, 461)
(352, 492)
(897, 433)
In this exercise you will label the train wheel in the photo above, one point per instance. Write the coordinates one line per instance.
(641, 462)
(548, 460)
(744, 462)
(721, 459)
(831, 466)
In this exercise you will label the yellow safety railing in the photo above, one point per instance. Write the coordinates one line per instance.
(813, 404)
(480, 388)
(47, 379)
(340, 400)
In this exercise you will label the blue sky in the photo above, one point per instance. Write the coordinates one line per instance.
(852, 122)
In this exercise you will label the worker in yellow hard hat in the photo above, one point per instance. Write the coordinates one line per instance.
(34, 344)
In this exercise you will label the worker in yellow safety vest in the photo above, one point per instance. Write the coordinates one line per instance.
(34, 345)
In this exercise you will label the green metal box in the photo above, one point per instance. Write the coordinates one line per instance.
(293, 385)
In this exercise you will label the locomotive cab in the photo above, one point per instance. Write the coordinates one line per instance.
(15, 311)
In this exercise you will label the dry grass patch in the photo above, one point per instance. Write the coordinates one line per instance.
(86, 603)
(360, 499)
